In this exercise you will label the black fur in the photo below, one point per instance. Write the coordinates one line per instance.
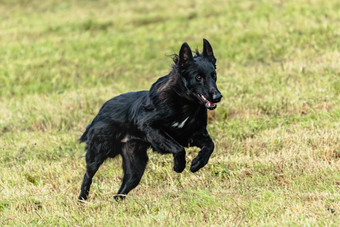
(170, 116)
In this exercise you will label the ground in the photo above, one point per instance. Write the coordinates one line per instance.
(277, 129)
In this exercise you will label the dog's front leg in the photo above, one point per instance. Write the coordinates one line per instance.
(179, 162)
(203, 141)
(164, 143)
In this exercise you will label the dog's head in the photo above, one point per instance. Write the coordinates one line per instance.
(199, 75)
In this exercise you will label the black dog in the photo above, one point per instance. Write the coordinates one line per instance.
(169, 117)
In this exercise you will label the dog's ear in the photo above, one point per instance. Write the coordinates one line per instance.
(208, 51)
(185, 55)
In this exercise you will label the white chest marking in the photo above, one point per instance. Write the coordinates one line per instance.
(179, 124)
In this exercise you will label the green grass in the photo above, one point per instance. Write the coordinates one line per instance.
(277, 129)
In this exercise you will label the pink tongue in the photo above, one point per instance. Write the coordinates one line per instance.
(209, 104)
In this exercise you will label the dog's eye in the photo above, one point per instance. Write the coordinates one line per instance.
(199, 78)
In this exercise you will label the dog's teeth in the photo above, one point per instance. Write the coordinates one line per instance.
(203, 98)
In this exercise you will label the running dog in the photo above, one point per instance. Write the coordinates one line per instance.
(170, 116)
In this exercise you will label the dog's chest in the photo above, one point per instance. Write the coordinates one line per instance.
(186, 119)
(180, 124)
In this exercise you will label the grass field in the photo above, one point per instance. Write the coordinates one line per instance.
(277, 130)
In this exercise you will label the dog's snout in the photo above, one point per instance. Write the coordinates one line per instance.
(217, 97)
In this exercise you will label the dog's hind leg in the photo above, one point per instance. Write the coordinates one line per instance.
(93, 161)
(135, 159)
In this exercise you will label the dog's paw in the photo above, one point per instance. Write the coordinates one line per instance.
(197, 164)
(179, 162)
(179, 169)
(179, 165)
(119, 197)
(82, 198)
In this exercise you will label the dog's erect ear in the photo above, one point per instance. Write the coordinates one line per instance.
(185, 54)
(208, 51)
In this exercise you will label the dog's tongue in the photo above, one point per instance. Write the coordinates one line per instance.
(209, 104)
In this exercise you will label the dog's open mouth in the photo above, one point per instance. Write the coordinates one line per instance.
(209, 105)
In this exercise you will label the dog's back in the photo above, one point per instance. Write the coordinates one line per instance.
(115, 114)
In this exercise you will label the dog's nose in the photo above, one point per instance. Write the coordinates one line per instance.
(217, 97)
